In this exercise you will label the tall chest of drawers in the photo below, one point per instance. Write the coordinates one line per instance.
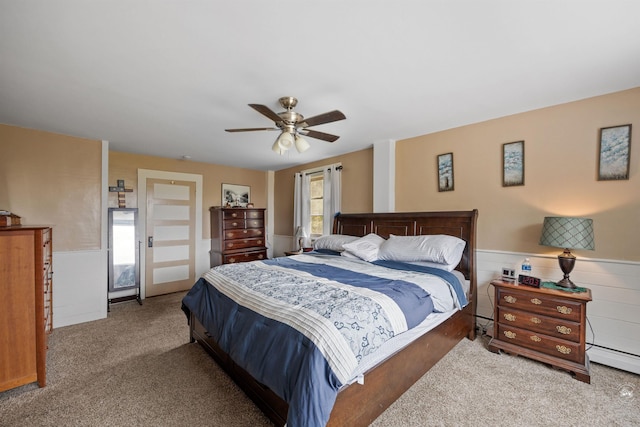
(542, 324)
(237, 235)
(26, 315)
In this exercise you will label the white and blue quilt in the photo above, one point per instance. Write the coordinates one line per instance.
(300, 325)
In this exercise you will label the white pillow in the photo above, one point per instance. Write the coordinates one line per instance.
(438, 248)
(333, 242)
(365, 248)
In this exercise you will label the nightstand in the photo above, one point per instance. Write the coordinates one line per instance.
(542, 324)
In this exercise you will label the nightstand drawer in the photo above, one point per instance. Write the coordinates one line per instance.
(551, 326)
(543, 343)
(539, 303)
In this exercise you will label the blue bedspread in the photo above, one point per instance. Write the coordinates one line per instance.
(263, 315)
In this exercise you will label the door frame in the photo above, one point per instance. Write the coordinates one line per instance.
(143, 174)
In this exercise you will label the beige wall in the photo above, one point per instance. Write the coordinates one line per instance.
(51, 179)
(125, 166)
(561, 160)
(357, 187)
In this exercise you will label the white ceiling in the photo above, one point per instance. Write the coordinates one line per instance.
(167, 77)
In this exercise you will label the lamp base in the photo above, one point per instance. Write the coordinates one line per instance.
(566, 261)
(566, 283)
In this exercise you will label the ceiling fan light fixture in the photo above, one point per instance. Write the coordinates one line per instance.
(283, 143)
(301, 144)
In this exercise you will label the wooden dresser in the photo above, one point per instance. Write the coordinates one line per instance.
(542, 324)
(26, 316)
(237, 235)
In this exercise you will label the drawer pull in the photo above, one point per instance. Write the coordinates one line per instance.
(510, 317)
(232, 260)
(245, 231)
(536, 320)
(509, 334)
(563, 330)
(235, 224)
(260, 256)
(259, 232)
(563, 309)
(563, 349)
(536, 301)
(510, 299)
(230, 244)
(259, 242)
(233, 215)
(535, 338)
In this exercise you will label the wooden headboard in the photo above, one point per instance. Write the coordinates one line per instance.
(460, 224)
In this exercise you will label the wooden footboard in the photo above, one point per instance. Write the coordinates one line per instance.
(356, 404)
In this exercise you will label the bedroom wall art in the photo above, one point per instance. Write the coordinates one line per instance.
(445, 172)
(615, 146)
(513, 164)
(236, 195)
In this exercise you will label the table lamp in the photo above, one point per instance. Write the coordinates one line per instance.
(568, 233)
(301, 234)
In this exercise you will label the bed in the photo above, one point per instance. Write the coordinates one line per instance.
(358, 401)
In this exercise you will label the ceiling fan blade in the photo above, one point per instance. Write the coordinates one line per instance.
(319, 135)
(331, 116)
(266, 111)
(249, 129)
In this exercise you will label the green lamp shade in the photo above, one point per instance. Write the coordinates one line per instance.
(568, 233)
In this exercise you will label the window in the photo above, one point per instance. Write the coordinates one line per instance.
(316, 192)
(316, 199)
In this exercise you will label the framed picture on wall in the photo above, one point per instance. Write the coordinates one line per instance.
(237, 196)
(513, 164)
(615, 146)
(445, 172)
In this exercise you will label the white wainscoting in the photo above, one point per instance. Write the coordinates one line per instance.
(613, 313)
(282, 243)
(79, 287)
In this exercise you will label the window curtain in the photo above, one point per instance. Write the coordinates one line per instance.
(302, 204)
(332, 195)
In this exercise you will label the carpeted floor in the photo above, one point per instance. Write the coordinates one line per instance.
(137, 368)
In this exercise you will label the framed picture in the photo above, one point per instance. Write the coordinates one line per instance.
(236, 195)
(513, 164)
(615, 146)
(445, 172)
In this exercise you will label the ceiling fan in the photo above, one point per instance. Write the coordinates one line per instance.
(293, 125)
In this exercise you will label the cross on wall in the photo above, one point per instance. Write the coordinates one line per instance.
(120, 189)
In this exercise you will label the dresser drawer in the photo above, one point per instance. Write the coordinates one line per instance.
(233, 214)
(254, 214)
(559, 328)
(244, 257)
(230, 224)
(243, 233)
(539, 303)
(562, 349)
(243, 243)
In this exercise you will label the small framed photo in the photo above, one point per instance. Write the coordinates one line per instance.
(615, 147)
(513, 164)
(237, 196)
(445, 172)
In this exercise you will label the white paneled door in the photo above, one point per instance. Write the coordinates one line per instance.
(170, 236)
